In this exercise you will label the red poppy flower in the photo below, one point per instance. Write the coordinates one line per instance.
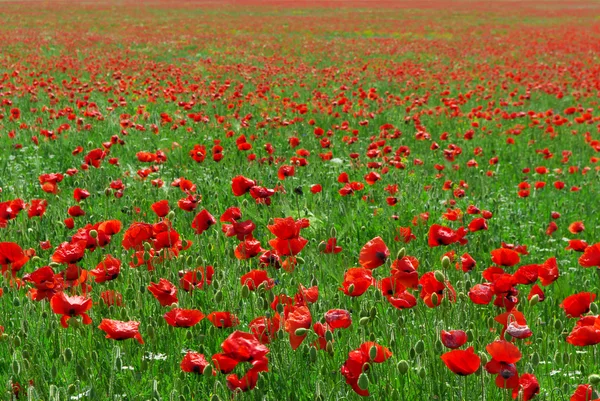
(374, 254)
(359, 361)
(243, 347)
(548, 271)
(231, 215)
(136, 235)
(178, 317)
(577, 304)
(331, 246)
(12, 256)
(357, 281)
(250, 379)
(256, 278)
(37, 208)
(107, 270)
(405, 271)
(503, 351)
(203, 221)
(306, 295)
(526, 275)
(248, 249)
(338, 319)
(80, 194)
(194, 362)
(46, 283)
(453, 339)
(118, 330)
(165, 292)
(577, 245)
(241, 185)
(591, 256)
(505, 257)
(69, 253)
(481, 294)
(285, 171)
(528, 387)
(586, 332)
(197, 278)
(462, 363)
(161, 208)
(264, 328)
(467, 263)
(441, 235)
(316, 188)
(223, 320)
(430, 286)
(405, 235)
(576, 227)
(298, 318)
(478, 224)
(288, 247)
(70, 307)
(584, 392)
(536, 290)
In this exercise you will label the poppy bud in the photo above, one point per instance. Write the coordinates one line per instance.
(373, 312)
(535, 359)
(17, 341)
(118, 364)
(438, 345)
(402, 367)
(333, 232)
(147, 246)
(280, 308)
(150, 331)
(439, 276)
(53, 265)
(435, 299)
(594, 308)
(422, 373)
(216, 284)
(329, 347)
(208, 371)
(299, 260)
(245, 203)
(445, 262)
(189, 335)
(68, 354)
(351, 289)
(71, 389)
(215, 398)
(373, 352)
(420, 347)
(16, 367)
(80, 371)
(412, 353)
(93, 234)
(26, 354)
(363, 381)
(470, 335)
(594, 380)
(53, 372)
(35, 259)
(16, 302)
(322, 246)
(219, 296)
(363, 321)
(107, 191)
(329, 335)
(558, 325)
(312, 353)
(401, 253)
(245, 291)
(301, 331)
(534, 300)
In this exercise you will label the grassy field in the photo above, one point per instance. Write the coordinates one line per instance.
(299, 200)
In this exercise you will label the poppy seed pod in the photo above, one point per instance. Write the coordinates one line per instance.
(420, 347)
(329, 347)
(535, 299)
(594, 308)
(439, 276)
(594, 380)
(445, 262)
(402, 367)
(363, 381)
(301, 331)
(401, 253)
(363, 321)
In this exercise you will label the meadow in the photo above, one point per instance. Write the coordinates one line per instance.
(273, 200)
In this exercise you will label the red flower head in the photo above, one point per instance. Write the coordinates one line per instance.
(12, 256)
(462, 363)
(70, 307)
(107, 270)
(591, 256)
(161, 208)
(255, 278)
(374, 254)
(528, 387)
(69, 253)
(118, 330)
(183, 317)
(453, 339)
(46, 283)
(505, 257)
(264, 328)
(223, 320)
(136, 235)
(357, 281)
(338, 319)
(331, 246)
(298, 318)
(577, 304)
(548, 272)
(165, 292)
(586, 332)
(441, 235)
(248, 249)
(584, 392)
(358, 362)
(231, 215)
(194, 362)
(203, 221)
(241, 185)
(576, 227)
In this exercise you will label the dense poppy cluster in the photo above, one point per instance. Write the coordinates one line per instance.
(289, 196)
